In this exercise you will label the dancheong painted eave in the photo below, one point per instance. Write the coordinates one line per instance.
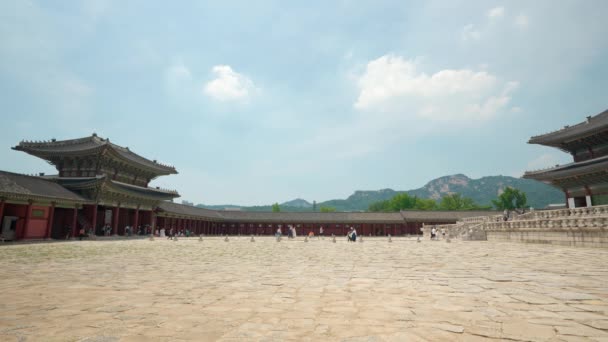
(90, 146)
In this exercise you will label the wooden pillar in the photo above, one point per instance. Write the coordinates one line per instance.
(588, 196)
(49, 223)
(136, 220)
(569, 200)
(2, 201)
(75, 221)
(28, 213)
(152, 222)
(115, 220)
(94, 222)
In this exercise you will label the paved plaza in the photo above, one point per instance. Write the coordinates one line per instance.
(161, 290)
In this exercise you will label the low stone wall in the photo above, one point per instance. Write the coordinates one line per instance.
(562, 237)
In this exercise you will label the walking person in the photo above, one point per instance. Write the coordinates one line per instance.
(352, 234)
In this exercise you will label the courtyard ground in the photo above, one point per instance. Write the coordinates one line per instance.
(141, 290)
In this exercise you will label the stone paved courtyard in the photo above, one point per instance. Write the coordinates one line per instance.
(141, 290)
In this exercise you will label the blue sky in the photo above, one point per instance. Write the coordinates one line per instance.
(266, 101)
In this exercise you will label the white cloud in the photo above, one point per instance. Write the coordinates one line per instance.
(470, 33)
(521, 21)
(229, 85)
(394, 84)
(497, 12)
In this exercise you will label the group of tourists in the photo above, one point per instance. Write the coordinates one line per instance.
(435, 233)
(106, 230)
(174, 233)
(291, 232)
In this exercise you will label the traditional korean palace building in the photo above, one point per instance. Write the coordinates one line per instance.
(585, 180)
(101, 184)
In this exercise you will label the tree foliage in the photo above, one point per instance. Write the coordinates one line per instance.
(511, 199)
(457, 202)
(276, 208)
(401, 202)
(404, 202)
(325, 209)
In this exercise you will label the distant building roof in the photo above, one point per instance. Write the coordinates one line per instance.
(442, 215)
(311, 217)
(318, 217)
(88, 145)
(560, 138)
(188, 210)
(572, 169)
(31, 187)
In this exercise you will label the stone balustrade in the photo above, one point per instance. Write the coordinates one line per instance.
(600, 210)
(586, 227)
(458, 230)
(481, 219)
(553, 222)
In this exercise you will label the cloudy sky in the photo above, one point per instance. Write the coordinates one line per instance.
(262, 102)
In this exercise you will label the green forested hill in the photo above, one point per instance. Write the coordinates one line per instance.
(482, 191)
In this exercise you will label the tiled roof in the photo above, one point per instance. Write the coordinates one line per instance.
(146, 190)
(311, 217)
(442, 215)
(187, 210)
(317, 217)
(26, 186)
(591, 126)
(88, 144)
(569, 170)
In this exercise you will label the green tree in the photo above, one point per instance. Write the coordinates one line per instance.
(457, 202)
(402, 202)
(276, 208)
(325, 209)
(511, 199)
(425, 204)
(380, 206)
(314, 205)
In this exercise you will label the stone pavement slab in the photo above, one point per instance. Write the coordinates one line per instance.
(141, 290)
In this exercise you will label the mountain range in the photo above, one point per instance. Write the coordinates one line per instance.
(482, 191)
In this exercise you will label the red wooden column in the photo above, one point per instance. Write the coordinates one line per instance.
(115, 219)
(94, 219)
(136, 221)
(75, 221)
(28, 213)
(49, 223)
(2, 201)
(152, 222)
